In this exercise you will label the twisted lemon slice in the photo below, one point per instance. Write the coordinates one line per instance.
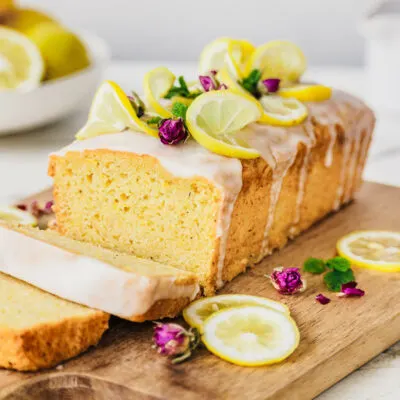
(282, 112)
(156, 84)
(13, 214)
(112, 112)
(251, 336)
(198, 311)
(305, 92)
(215, 117)
(378, 250)
(225, 50)
(278, 59)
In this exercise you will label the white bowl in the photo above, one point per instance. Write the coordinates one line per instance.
(52, 100)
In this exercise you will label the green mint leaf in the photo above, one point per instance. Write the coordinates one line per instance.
(153, 121)
(314, 265)
(181, 90)
(251, 81)
(339, 264)
(183, 85)
(193, 95)
(179, 110)
(335, 279)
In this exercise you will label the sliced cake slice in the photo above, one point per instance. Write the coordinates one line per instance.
(39, 330)
(123, 285)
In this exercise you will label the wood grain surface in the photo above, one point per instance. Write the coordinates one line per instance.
(336, 338)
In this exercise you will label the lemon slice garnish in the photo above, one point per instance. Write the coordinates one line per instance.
(13, 214)
(111, 112)
(225, 76)
(198, 311)
(278, 59)
(214, 55)
(21, 64)
(156, 84)
(282, 112)
(251, 336)
(304, 92)
(378, 250)
(215, 117)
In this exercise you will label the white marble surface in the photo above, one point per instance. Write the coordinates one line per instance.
(23, 167)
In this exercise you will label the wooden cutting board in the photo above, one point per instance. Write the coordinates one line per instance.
(336, 338)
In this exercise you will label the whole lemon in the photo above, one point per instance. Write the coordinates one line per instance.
(24, 19)
(62, 51)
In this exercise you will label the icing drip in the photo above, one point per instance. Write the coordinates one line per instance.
(185, 160)
(309, 129)
(278, 147)
(362, 126)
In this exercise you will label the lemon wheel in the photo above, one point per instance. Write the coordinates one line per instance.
(251, 336)
(21, 64)
(214, 118)
(379, 250)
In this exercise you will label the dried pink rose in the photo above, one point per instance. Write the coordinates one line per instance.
(287, 280)
(172, 131)
(175, 341)
(350, 290)
(271, 84)
(322, 299)
(208, 82)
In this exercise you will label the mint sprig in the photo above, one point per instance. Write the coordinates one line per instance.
(335, 279)
(339, 274)
(179, 110)
(314, 265)
(182, 90)
(154, 121)
(250, 83)
(338, 264)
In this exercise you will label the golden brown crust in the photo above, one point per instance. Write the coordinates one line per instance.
(46, 345)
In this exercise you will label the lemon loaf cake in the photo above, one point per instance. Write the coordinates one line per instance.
(212, 176)
(209, 214)
(39, 330)
(119, 284)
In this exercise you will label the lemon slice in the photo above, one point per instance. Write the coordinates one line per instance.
(378, 250)
(112, 112)
(251, 336)
(305, 92)
(13, 214)
(21, 64)
(215, 55)
(157, 83)
(278, 59)
(215, 117)
(198, 311)
(282, 112)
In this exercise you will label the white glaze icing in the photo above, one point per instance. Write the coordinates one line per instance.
(85, 280)
(186, 160)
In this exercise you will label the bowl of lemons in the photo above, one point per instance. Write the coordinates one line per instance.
(46, 70)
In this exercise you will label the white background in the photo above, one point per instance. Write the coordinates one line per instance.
(178, 29)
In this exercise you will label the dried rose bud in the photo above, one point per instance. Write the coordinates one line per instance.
(271, 84)
(22, 207)
(287, 280)
(48, 207)
(322, 299)
(222, 86)
(175, 341)
(172, 131)
(213, 72)
(350, 290)
(208, 82)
